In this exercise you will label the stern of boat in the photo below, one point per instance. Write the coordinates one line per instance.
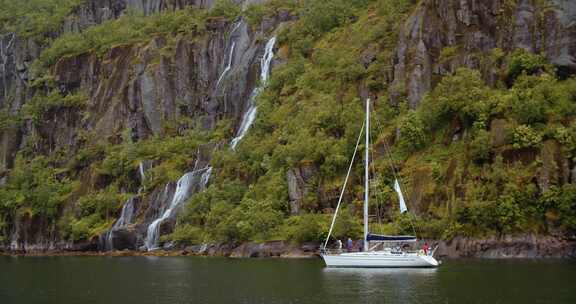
(430, 260)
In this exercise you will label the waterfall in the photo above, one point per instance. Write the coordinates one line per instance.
(127, 214)
(188, 184)
(250, 115)
(228, 66)
(230, 56)
(125, 219)
(141, 171)
(4, 57)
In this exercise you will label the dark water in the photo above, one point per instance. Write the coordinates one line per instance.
(173, 280)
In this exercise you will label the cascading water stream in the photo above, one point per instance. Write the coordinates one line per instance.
(4, 60)
(124, 220)
(228, 66)
(250, 115)
(190, 183)
(141, 171)
(230, 56)
(127, 214)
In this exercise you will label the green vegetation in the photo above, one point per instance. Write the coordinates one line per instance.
(128, 29)
(132, 28)
(460, 179)
(476, 160)
(498, 192)
(35, 190)
(40, 188)
(34, 18)
(308, 116)
(255, 13)
(7, 120)
(96, 212)
(40, 104)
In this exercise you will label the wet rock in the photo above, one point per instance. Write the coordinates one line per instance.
(3, 177)
(523, 246)
(549, 172)
(273, 249)
(125, 238)
(499, 131)
(299, 185)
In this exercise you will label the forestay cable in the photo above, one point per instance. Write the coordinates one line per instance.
(344, 186)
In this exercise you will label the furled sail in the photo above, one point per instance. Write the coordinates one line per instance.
(403, 207)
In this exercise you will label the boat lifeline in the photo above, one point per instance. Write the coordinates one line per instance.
(378, 251)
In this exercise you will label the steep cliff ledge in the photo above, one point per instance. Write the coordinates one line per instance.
(441, 36)
(199, 78)
(146, 125)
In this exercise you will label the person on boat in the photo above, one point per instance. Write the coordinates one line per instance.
(339, 245)
(425, 248)
(349, 244)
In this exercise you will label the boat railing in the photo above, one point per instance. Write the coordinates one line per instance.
(419, 252)
(337, 251)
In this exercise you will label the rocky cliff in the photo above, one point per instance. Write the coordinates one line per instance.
(133, 90)
(137, 125)
(441, 36)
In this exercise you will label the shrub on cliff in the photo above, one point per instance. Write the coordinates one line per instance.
(34, 18)
(36, 188)
(525, 137)
(463, 96)
(523, 62)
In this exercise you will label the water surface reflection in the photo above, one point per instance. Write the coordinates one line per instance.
(394, 284)
(175, 280)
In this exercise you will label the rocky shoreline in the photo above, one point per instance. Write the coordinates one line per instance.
(523, 246)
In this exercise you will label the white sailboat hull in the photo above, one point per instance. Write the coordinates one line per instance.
(378, 259)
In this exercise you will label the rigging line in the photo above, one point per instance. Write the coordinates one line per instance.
(344, 186)
(374, 181)
(396, 174)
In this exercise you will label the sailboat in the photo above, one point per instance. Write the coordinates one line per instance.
(379, 251)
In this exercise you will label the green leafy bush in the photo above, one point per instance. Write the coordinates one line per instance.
(305, 228)
(225, 8)
(36, 187)
(526, 137)
(525, 62)
(40, 104)
(412, 132)
(463, 95)
(250, 220)
(186, 234)
(481, 146)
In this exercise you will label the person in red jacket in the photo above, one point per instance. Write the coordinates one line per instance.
(425, 248)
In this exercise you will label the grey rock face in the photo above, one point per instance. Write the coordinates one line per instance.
(139, 88)
(523, 246)
(299, 185)
(476, 27)
(17, 54)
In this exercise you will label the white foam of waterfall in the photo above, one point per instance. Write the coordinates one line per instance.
(14, 240)
(230, 56)
(228, 66)
(184, 189)
(4, 60)
(125, 219)
(126, 215)
(250, 114)
(142, 172)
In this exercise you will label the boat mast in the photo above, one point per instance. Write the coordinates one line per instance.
(366, 174)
